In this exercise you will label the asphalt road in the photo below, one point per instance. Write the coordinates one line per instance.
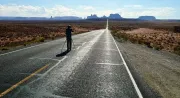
(93, 69)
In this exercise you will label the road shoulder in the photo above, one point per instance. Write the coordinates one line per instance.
(156, 72)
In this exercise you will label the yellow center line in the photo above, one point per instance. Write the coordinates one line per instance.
(22, 81)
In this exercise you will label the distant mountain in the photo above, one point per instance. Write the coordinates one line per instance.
(115, 16)
(66, 18)
(6, 18)
(41, 18)
(93, 16)
(22, 18)
(147, 18)
(104, 17)
(111, 16)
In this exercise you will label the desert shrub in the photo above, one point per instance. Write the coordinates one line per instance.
(157, 47)
(40, 39)
(128, 28)
(133, 40)
(4, 48)
(52, 36)
(140, 41)
(177, 29)
(124, 36)
(177, 49)
(114, 32)
(121, 35)
(27, 43)
(148, 44)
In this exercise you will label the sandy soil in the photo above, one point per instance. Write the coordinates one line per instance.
(160, 70)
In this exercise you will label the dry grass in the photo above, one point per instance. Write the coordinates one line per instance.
(15, 33)
(158, 39)
(163, 38)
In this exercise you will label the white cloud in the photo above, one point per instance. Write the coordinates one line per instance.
(159, 12)
(128, 11)
(20, 10)
(59, 10)
(133, 6)
(84, 7)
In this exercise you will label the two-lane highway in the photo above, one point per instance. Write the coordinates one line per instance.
(94, 68)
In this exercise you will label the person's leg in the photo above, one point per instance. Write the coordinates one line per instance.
(70, 44)
(67, 44)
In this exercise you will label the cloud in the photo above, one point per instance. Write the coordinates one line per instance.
(128, 11)
(84, 7)
(29, 11)
(60, 10)
(159, 12)
(133, 6)
(21, 10)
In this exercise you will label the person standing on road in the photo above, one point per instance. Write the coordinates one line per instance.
(69, 38)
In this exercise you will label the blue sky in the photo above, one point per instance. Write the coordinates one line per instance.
(162, 9)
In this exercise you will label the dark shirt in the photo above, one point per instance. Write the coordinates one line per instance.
(68, 33)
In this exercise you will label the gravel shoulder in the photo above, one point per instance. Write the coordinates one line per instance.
(157, 73)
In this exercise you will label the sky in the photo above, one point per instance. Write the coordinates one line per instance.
(161, 9)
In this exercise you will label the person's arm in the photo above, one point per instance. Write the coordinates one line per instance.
(66, 31)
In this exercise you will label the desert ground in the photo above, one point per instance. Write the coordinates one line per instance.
(16, 33)
(158, 35)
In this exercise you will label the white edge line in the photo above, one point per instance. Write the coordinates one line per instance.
(131, 77)
(19, 50)
(83, 44)
(78, 47)
(108, 64)
(48, 70)
(54, 65)
(27, 47)
(44, 59)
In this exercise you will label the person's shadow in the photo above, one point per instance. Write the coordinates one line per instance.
(63, 53)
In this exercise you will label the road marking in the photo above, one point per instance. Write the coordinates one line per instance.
(42, 75)
(83, 44)
(22, 81)
(102, 49)
(104, 42)
(30, 73)
(108, 64)
(127, 68)
(78, 47)
(29, 47)
(45, 59)
(55, 65)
